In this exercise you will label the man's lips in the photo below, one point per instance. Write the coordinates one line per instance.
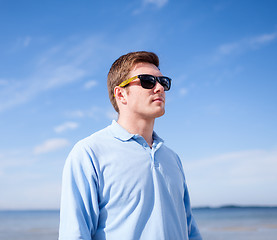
(158, 99)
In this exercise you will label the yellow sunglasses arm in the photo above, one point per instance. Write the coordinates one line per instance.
(124, 83)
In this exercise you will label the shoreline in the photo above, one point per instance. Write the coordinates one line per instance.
(193, 208)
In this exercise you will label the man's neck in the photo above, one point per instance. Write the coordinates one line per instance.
(143, 127)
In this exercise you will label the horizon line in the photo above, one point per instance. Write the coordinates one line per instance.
(195, 207)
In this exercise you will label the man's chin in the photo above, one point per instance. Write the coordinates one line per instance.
(160, 113)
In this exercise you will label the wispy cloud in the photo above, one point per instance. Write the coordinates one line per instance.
(75, 114)
(20, 167)
(56, 67)
(14, 159)
(158, 3)
(26, 41)
(243, 172)
(51, 145)
(66, 126)
(242, 163)
(226, 52)
(111, 114)
(95, 112)
(246, 44)
(262, 39)
(183, 92)
(37, 194)
(3, 82)
(90, 84)
(21, 43)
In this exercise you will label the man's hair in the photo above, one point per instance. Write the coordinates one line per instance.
(121, 68)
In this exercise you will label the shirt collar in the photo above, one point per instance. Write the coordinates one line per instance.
(119, 132)
(156, 138)
(157, 141)
(122, 134)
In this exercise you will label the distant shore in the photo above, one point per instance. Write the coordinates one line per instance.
(194, 208)
(234, 206)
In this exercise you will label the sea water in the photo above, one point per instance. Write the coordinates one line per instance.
(29, 225)
(214, 224)
(249, 223)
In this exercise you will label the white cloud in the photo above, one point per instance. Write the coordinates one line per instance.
(51, 145)
(183, 91)
(246, 44)
(75, 114)
(15, 159)
(228, 48)
(90, 84)
(54, 68)
(112, 114)
(21, 42)
(66, 126)
(158, 3)
(37, 194)
(245, 177)
(95, 112)
(26, 41)
(243, 164)
(262, 39)
(25, 174)
(3, 82)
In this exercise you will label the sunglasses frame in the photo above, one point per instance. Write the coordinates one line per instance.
(157, 79)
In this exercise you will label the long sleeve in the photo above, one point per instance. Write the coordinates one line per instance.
(79, 200)
(193, 231)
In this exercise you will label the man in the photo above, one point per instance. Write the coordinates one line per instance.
(123, 182)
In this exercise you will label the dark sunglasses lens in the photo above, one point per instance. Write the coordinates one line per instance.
(147, 82)
(165, 82)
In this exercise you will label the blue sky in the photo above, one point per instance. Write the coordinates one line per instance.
(221, 113)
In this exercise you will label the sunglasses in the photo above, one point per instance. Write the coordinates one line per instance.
(148, 81)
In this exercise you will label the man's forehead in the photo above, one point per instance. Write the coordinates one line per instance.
(148, 68)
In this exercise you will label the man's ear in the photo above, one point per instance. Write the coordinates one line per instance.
(120, 94)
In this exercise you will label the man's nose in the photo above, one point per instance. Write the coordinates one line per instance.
(158, 87)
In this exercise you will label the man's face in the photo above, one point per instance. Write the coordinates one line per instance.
(145, 103)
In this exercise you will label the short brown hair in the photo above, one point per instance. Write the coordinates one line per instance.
(123, 65)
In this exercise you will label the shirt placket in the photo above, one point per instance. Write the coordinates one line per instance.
(150, 151)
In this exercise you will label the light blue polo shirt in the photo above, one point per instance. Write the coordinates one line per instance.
(116, 187)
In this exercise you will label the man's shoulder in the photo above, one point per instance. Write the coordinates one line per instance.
(96, 137)
(168, 150)
(90, 147)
